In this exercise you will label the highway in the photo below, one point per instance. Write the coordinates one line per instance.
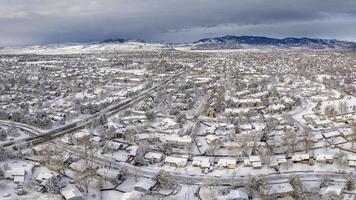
(45, 136)
(187, 177)
(193, 178)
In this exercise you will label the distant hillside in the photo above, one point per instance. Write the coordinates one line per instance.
(120, 40)
(230, 41)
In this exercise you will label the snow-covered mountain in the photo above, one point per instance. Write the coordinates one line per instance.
(230, 41)
(225, 42)
(121, 40)
(93, 47)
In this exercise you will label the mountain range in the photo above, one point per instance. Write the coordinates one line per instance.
(214, 43)
(231, 41)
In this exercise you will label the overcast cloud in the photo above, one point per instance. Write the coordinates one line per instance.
(24, 22)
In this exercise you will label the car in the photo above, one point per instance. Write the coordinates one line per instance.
(6, 195)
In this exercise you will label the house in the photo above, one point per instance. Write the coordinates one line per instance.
(352, 160)
(278, 160)
(232, 145)
(338, 190)
(144, 185)
(133, 195)
(108, 174)
(97, 141)
(325, 158)
(81, 166)
(310, 118)
(331, 134)
(254, 161)
(279, 190)
(301, 157)
(177, 141)
(322, 123)
(287, 100)
(238, 194)
(227, 163)
(176, 162)
(113, 145)
(245, 127)
(78, 137)
(212, 139)
(251, 102)
(154, 156)
(276, 108)
(16, 174)
(133, 150)
(349, 196)
(168, 123)
(40, 149)
(146, 138)
(43, 177)
(71, 192)
(202, 162)
(236, 111)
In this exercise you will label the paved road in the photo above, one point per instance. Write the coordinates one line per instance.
(181, 177)
(202, 179)
(46, 136)
(196, 179)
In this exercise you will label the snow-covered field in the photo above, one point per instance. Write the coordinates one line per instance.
(83, 48)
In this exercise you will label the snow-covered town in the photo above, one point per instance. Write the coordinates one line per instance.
(178, 100)
(170, 122)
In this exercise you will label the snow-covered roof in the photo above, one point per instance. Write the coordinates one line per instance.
(153, 155)
(255, 159)
(132, 150)
(176, 139)
(181, 162)
(331, 134)
(144, 184)
(107, 172)
(336, 189)
(300, 156)
(16, 171)
(134, 195)
(351, 157)
(71, 193)
(280, 159)
(282, 188)
(223, 162)
(211, 138)
(324, 157)
(203, 162)
(45, 176)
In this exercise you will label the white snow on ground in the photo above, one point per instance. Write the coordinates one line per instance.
(83, 48)
(111, 195)
(349, 100)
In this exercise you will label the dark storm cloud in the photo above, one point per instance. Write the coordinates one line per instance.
(45, 21)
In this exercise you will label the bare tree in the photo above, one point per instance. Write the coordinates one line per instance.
(350, 184)
(165, 180)
(85, 179)
(298, 187)
(324, 182)
(353, 133)
(343, 107)
(341, 160)
(307, 140)
(330, 196)
(290, 141)
(256, 185)
(52, 185)
(330, 110)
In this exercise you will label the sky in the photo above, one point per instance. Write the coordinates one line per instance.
(27, 22)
